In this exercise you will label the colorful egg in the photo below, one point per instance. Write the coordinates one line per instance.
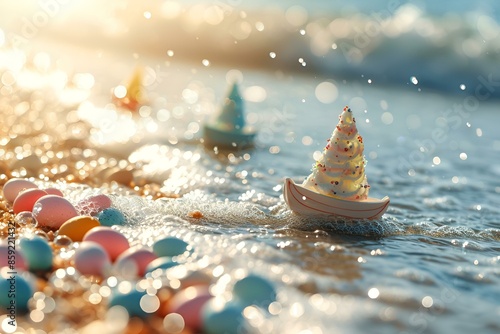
(53, 211)
(133, 262)
(170, 246)
(54, 191)
(222, 317)
(254, 290)
(113, 242)
(77, 227)
(93, 205)
(92, 259)
(189, 303)
(37, 252)
(163, 262)
(111, 216)
(26, 199)
(12, 258)
(22, 289)
(12, 188)
(129, 298)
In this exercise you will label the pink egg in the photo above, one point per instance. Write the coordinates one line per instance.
(54, 191)
(53, 211)
(93, 204)
(15, 260)
(113, 242)
(26, 199)
(133, 261)
(92, 259)
(189, 302)
(12, 188)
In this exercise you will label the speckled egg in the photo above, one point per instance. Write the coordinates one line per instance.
(23, 292)
(37, 253)
(163, 262)
(220, 316)
(133, 262)
(12, 188)
(12, 258)
(170, 246)
(75, 228)
(26, 199)
(92, 259)
(127, 296)
(189, 303)
(93, 205)
(113, 242)
(53, 211)
(111, 216)
(254, 290)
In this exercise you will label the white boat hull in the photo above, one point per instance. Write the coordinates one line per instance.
(306, 202)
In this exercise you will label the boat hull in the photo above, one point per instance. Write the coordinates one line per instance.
(306, 202)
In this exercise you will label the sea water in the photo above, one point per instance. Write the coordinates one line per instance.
(429, 265)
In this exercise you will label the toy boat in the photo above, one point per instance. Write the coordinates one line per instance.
(228, 129)
(130, 96)
(306, 202)
(337, 185)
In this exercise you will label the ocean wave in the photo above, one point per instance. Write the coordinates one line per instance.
(397, 43)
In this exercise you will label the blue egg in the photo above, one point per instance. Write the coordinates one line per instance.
(170, 246)
(163, 262)
(131, 301)
(110, 217)
(254, 290)
(221, 317)
(37, 252)
(16, 292)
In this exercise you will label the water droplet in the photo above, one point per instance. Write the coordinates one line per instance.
(272, 54)
(462, 87)
(302, 32)
(436, 160)
(463, 156)
(369, 81)
(373, 293)
(414, 80)
(26, 219)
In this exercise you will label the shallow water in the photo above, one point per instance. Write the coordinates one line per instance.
(431, 264)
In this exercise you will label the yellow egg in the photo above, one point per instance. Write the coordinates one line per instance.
(76, 227)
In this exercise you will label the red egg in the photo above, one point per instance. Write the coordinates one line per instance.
(113, 242)
(26, 199)
(189, 302)
(133, 261)
(53, 211)
(12, 188)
